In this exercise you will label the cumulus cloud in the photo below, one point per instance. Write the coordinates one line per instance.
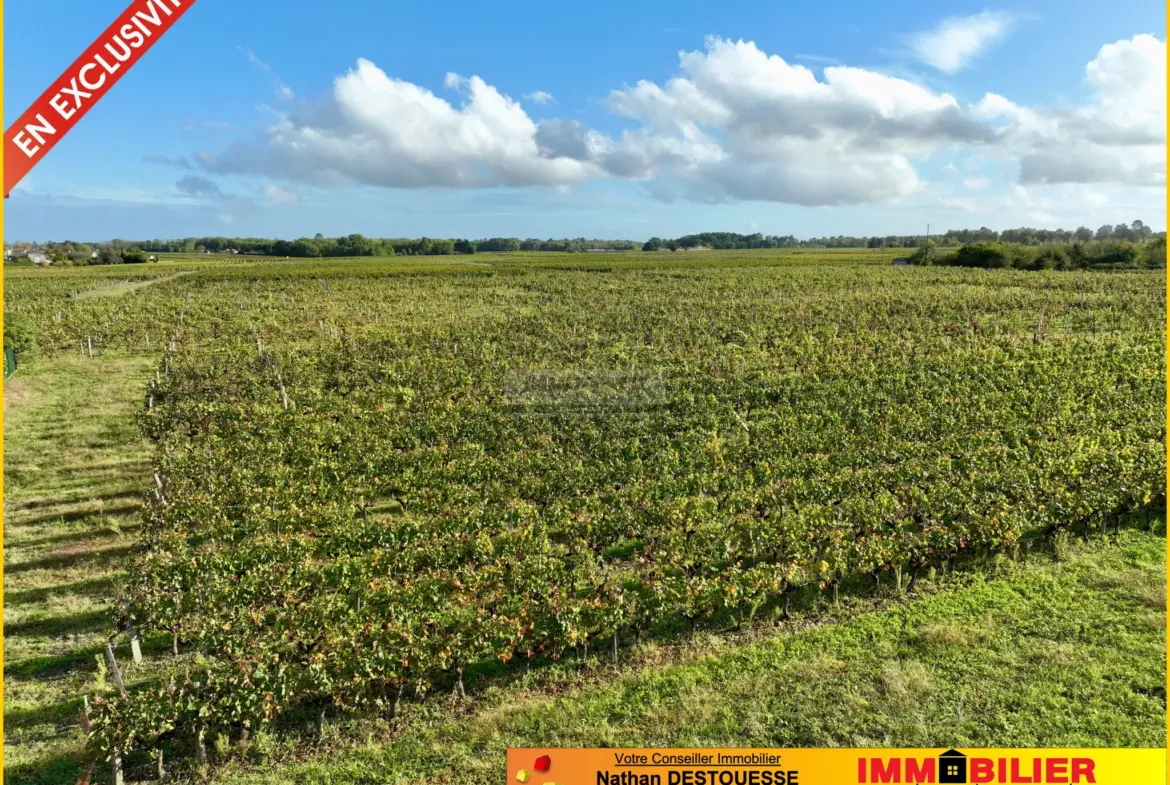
(781, 134)
(282, 195)
(378, 130)
(955, 42)
(539, 97)
(733, 123)
(1118, 137)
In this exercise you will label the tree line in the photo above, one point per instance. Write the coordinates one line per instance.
(116, 251)
(123, 252)
(1134, 232)
(1107, 253)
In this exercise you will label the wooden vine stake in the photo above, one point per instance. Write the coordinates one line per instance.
(201, 744)
(112, 661)
(116, 761)
(135, 644)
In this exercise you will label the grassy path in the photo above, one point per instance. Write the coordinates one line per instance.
(124, 288)
(74, 468)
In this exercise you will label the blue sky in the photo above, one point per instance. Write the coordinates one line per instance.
(894, 130)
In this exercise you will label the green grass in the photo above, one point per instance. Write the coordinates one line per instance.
(74, 468)
(124, 288)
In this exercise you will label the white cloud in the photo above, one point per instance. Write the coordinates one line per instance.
(539, 97)
(748, 125)
(955, 42)
(284, 91)
(734, 123)
(1118, 137)
(282, 195)
(254, 60)
(382, 131)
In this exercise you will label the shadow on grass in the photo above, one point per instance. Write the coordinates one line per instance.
(59, 770)
(93, 559)
(86, 496)
(94, 587)
(83, 658)
(58, 626)
(80, 535)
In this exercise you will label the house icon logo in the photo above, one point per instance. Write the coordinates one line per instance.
(952, 768)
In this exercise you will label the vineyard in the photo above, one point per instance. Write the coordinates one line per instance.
(370, 477)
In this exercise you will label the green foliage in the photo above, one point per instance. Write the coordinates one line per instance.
(926, 254)
(20, 335)
(1099, 254)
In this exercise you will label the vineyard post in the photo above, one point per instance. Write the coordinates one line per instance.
(398, 699)
(117, 764)
(89, 342)
(200, 743)
(135, 645)
(113, 663)
(459, 682)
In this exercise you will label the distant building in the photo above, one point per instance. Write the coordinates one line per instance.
(36, 257)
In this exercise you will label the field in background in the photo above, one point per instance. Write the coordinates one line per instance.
(341, 329)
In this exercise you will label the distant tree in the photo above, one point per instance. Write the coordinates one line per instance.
(134, 256)
(673, 245)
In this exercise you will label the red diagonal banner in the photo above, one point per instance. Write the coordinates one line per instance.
(83, 84)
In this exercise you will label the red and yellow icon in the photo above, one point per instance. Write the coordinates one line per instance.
(540, 765)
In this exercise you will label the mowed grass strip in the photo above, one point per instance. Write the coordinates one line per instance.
(1035, 653)
(75, 468)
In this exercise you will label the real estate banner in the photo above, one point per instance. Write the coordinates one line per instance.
(836, 766)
